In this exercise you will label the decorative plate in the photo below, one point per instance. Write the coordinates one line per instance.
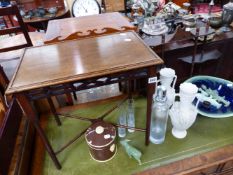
(216, 99)
(158, 31)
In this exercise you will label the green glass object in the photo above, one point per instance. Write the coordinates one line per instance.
(131, 151)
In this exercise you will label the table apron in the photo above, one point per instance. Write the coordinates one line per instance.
(73, 86)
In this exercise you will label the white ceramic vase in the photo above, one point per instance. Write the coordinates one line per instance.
(183, 113)
(182, 119)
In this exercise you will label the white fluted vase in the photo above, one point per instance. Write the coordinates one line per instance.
(182, 119)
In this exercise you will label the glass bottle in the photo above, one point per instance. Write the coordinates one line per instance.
(122, 121)
(131, 117)
(159, 116)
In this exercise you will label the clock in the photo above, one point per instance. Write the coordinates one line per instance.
(85, 7)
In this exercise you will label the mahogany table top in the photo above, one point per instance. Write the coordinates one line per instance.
(81, 59)
(67, 26)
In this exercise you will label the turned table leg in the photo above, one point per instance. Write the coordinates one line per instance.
(150, 90)
(31, 115)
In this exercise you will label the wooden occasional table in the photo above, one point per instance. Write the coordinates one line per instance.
(86, 26)
(50, 70)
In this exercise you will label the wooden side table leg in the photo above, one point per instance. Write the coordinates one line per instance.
(69, 99)
(29, 112)
(150, 90)
(53, 109)
(130, 83)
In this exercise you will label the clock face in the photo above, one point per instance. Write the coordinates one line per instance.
(85, 7)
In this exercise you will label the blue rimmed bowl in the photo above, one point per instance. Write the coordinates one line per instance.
(224, 89)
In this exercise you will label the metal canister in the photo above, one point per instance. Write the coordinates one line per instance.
(100, 138)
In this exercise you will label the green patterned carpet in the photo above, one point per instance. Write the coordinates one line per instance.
(205, 135)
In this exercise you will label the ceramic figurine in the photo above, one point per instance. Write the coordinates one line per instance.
(170, 10)
(212, 97)
(204, 99)
(131, 151)
(30, 13)
(41, 11)
(52, 10)
(183, 114)
(214, 94)
(22, 12)
(147, 5)
(36, 13)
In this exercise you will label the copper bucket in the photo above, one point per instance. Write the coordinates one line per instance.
(100, 138)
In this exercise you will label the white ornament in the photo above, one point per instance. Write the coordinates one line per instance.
(99, 129)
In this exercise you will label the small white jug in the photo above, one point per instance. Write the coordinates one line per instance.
(168, 79)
